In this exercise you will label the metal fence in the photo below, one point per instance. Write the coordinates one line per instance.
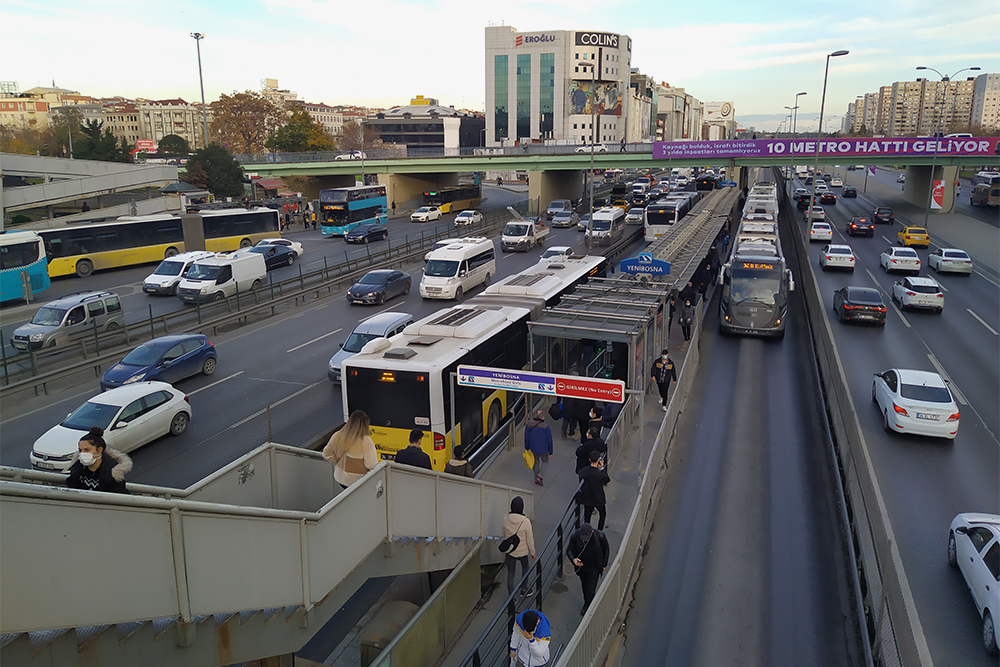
(404, 152)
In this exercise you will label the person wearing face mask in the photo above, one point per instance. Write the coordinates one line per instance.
(685, 314)
(98, 467)
(664, 374)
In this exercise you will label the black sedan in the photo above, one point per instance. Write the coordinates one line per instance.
(275, 255)
(367, 232)
(883, 214)
(379, 286)
(850, 191)
(859, 304)
(828, 198)
(860, 226)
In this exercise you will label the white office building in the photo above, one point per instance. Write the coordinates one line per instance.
(986, 103)
(544, 86)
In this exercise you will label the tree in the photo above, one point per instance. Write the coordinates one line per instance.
(245, 121)
(355, 137)
(22, 140)
(195, 175)
(173, 145)
(100, 144)
(223, 175)
(65, 119)
(300, 134)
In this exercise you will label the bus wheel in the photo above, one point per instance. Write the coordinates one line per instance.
(171, 251)
(493, 419)
(246, 243)
(84, 268)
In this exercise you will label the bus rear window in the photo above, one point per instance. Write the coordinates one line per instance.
(393, 399)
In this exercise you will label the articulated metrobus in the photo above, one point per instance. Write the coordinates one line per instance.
(21, 252)
(128, 241)
(405, 382)
(666, 211)
(343, 209)
(454, 198)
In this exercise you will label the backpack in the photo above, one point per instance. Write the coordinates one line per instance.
(555, 411)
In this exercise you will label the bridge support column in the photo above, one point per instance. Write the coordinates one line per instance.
(918, 181)
(544, 186)
(407, 190)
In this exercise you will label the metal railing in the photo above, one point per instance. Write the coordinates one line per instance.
(403, 152)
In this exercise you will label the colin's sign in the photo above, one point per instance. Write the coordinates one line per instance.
(597, 39)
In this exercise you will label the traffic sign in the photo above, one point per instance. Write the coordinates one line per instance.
(644, 263)
(612, 391)
(503, 378)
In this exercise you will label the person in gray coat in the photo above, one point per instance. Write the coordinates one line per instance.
(685, 316)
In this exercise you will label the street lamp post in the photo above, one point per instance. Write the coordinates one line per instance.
(198, 36)
(791, 142)
(930, 185)
(819, 128)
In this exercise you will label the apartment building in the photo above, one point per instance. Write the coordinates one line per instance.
(986, 103)
(158, 118)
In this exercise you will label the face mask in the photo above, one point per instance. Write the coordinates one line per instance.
(664, 357)
(87, 458)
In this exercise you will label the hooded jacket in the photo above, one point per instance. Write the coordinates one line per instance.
(532, 652)
(460, 467)
(538, 437)
(109, 476)
(516, 522)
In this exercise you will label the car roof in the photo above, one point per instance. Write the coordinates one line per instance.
(821, 224)
(381, 321)
(368, 224)
(909, 252)
(78, 298)
(468, 210)
(380, 272)
(926, 378)
(854, 292)
(914, 227)
(841, 246)
(953, 250)
(124, 395)
(173, 339)
(560, 248)
(991, 520)
(921, 280)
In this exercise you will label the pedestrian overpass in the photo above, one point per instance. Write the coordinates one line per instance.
(249, 563)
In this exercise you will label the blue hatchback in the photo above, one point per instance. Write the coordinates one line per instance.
(167, 359)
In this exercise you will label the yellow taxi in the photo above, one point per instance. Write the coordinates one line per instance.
(622, 204)
(911, 236)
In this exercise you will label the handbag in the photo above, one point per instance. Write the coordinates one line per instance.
(529, 459)
(508, 544)
(555, 411)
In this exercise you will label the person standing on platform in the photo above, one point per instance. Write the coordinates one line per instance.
(593, 443)
(413, 455)
(459, 465)
(685, 316)
(594, 478)
(538, 438)
(515, 523)
(589, 551)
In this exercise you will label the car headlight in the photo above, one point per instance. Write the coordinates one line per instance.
(370, 294)
(135, 378)
(37, 338)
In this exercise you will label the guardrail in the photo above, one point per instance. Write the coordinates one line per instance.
(396, 153)
(34, 364)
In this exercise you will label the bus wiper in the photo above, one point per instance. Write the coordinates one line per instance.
(753, 300)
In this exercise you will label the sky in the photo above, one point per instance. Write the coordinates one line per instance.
(755, 53)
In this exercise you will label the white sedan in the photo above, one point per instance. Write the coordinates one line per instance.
(836, 256)
(917, 402)
(131, 416)
(918, 292)
(820, 231)
(836, 183)
(557, 252)
(900, 259)
(468, 218)
(294, 245)
(974, 548)
(950, 259)
(352, 155)
(592, 148)
(426, 214)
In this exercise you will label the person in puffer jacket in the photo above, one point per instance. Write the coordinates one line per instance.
(529, 641)
(99, 467)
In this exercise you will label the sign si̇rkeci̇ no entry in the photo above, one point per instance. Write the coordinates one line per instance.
(574, 386)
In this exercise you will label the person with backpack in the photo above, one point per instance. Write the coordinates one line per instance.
(589, 551)
(520, 543)
(538, 439)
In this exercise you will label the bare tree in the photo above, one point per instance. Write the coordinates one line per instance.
(245, 121)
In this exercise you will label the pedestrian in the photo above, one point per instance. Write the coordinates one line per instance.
(595, 420)
(670, 317)
(688, 293)
(593, 479)
(538, 438)
(499, 181)
(393, 207)
(570, 408)
(664, 374)
(98, 467)
(589, 551)
(286, 220)
(459, 465)
(412, 454)
(529, 641)
(515, 523)
(725, 243)
(85, 207)
(610, 416)
(593, 443)
(685, 315)
(351, 450)
(703, 276)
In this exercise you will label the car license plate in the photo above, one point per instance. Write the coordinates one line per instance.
(44, 465)
(19, 345)
(924, 415)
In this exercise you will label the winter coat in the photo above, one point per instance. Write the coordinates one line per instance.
(577, 408)
(531, 652)
(351, 461)
(584, 450)
(592, 491)
(520, 524)
(685, 313)
(538, 437)
(414, 456)
(109, 476)
(593, 551)
(669, 376)
(460, 467)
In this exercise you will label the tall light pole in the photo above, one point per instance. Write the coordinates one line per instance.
(819, 128)
(791, 142)
(593, 130)
(930, 185)
(198, 36)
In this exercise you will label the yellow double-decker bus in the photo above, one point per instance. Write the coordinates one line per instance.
(84, 248)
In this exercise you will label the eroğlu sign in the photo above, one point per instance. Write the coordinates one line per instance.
(521, 40)
(860, 146)
(597, 39)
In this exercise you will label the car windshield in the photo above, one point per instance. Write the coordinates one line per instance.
(441, 268)
(515, 230)
(90, 414)
(864, 295)
(917, 230)
(260, 249)
(362, 229)
(601, 225)
(905, 252)
(956, 255)
(884, 211)
(357, 341)
(919, 392)
(423, 209)
(203, 272)
(169, 268)
(372, 279)
(563, 215)
(924, 289)
(48, 316)
(552, 252)
(466, 214)
(144, 355)
(840, 251)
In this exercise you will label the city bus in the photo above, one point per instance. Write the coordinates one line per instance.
(129, 241)
(404, 382)
(21, 252)
(343, 209)
(666, 211)
(454, 198)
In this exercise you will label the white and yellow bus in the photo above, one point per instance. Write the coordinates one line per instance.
(84, 248)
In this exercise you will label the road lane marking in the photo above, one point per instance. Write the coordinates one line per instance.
(309, 342)
(886, 240)
(48, 405)
(192, 393)
(952, 385)
(900, 313)
(990, 279)
(273, 405)
(981, 321)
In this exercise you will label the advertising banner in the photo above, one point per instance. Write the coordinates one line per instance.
(937, 198)
(606, 96)
(845, 147)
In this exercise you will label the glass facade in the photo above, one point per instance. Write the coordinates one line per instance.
(546, 95)
(500, 82)
(524, 95)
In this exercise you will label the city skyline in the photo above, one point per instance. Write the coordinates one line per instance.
(323, 50)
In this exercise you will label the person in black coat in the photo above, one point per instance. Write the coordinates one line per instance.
(593, 443)
(413, 455)
(589, 551)
(98, 467)
(579, 414)
(594, 418)
(593, 478)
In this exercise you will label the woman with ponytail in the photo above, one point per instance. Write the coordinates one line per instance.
(98, 467)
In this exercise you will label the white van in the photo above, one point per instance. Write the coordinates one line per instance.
(455, 269)
(218, 277)
(382, 325)
(171, 271)
(606, 227)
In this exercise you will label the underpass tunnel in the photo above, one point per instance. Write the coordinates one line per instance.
(544, 186)
(915, 189)
(407, 190)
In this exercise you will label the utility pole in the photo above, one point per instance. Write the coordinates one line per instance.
(198, 36)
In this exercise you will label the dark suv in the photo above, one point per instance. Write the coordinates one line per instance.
(860, 226)
(850, 191)
(883, 214)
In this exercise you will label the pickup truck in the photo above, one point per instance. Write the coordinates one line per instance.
(522, 234)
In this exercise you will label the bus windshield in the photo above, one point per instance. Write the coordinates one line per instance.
(203, 272)
(441, 268)
(168, 268)
(659, 216)
(761, 286)
(396, 398)
(336, 196)
(48, 316)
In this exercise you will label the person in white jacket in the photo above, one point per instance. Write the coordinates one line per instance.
(529, 641)
(517, 523)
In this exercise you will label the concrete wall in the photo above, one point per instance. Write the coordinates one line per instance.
(548, 185)
(918, 180)
(407, 190)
